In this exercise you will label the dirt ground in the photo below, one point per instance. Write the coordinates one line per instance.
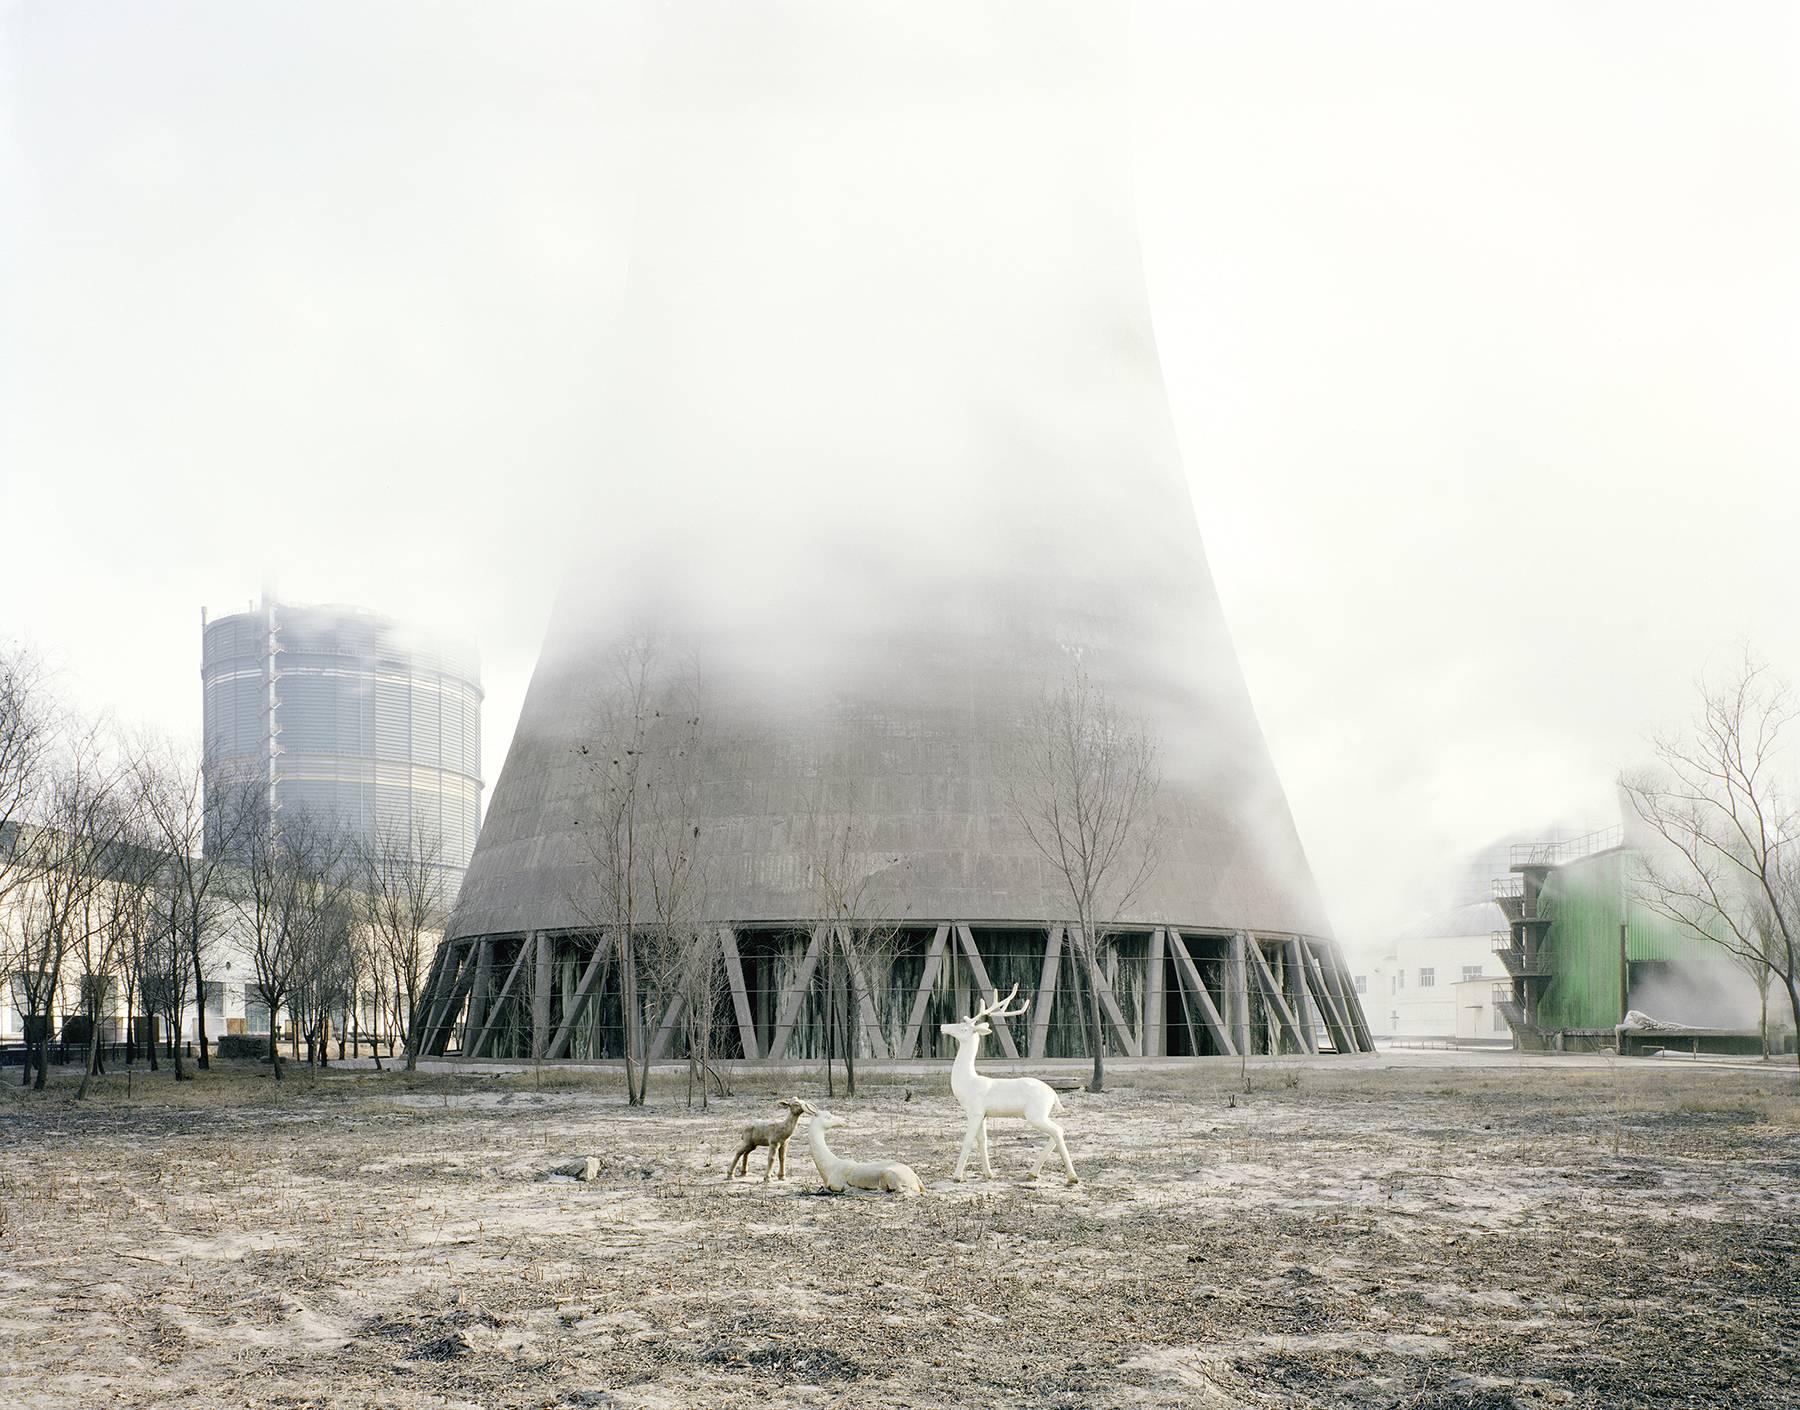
(1395, 1233)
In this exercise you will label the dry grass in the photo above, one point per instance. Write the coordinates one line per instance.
(1393, 1236)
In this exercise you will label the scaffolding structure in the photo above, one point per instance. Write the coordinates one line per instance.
(1163, 992)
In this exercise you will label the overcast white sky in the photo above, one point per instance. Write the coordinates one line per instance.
(1481, 328)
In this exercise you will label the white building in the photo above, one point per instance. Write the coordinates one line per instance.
(232, 999)
(1435, 981)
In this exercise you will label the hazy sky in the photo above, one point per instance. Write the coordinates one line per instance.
(1479, 325)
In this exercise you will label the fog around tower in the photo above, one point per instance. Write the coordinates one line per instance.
(882, 325)
(1478, 345)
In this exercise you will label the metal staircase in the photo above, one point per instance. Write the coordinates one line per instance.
(1520, 947)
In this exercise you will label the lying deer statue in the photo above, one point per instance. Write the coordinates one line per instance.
(982, 1097)
(773, 1134)
(840, 1174)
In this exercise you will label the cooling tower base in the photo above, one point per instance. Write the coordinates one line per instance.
(779, 992)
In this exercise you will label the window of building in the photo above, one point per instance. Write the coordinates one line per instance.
(1471, 971)
(1427, 977)
(1399, 980)
(1362, 983)
(1394, 1019)
(1499, 1021)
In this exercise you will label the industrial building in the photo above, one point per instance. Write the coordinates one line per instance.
(1434, 982)
(348, 715)
(116, 1000)
(881, 499)
(1582, 951)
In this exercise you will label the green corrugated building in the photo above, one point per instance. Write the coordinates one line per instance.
(1579, 942)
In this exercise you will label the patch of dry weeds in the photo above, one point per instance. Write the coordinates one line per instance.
(1368, 1237)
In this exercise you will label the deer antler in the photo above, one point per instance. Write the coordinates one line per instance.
(999, 1009)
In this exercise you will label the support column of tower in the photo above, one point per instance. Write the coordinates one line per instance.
(540, 993)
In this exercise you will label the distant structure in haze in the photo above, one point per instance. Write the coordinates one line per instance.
(1440, 980)
(894, 453)
(348, 715)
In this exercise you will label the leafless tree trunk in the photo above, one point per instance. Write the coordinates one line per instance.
(1726, 863)
(167, 973)
(293, 899)
(404, 909)
(378, 1000)
(68, 854)
(201, 818)
(125, 903)
(131, 970)
(1084, 788)
(1754, 964)
(325, 976)
(685, 959)
(641, 759)
(858, 895)
(29, 726)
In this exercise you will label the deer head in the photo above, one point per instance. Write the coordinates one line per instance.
(976, 1025)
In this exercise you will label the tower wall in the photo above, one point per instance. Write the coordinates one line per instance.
(888, 454)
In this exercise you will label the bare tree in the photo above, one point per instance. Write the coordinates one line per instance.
(166, 972)
(325, 975)
(292, 895)
(1727, 867)
(360, 987)
(1084, 788)
(1756, 967)
(373, 970)
(642, 736)
(681, 963)
(199, 815)
(67, 855)
(126, 903)
(855, 897)
(402, 904)
(28, 728)
(133, 952)
(680, 957)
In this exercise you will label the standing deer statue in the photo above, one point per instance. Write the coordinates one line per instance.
(982, 1097)
(773, 1134)
(840, 1174)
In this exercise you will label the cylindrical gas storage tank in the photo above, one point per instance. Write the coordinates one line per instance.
(349, 716)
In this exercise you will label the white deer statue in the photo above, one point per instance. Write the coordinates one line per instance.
(840, 1174)
(982, 1097)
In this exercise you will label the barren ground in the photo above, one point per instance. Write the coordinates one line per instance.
(1400, 1234)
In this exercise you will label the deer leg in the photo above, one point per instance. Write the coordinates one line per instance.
(968, 1145)
(1054, 1133)
(981, 1145)
(784, 1146)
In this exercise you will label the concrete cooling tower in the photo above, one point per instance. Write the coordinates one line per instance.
(889, 461)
